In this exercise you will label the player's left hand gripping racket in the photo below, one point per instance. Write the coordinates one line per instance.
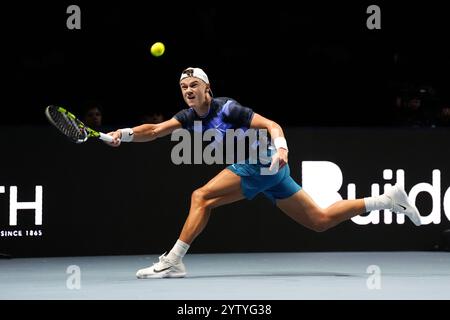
(71, 127)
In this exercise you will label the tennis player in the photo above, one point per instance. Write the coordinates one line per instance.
(244, 180)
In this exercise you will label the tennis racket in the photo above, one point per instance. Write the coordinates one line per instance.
(72, 127)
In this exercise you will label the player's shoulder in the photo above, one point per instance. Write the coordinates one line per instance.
(185, 112)
(185, 116)
(224, 100)
(226, 103)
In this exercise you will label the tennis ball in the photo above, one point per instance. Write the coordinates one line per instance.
(157, 49)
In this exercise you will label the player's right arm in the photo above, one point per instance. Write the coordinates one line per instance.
(145, 132)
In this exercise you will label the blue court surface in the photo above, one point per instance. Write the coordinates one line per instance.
(243, 276)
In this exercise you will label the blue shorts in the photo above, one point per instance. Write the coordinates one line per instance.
(276, 186)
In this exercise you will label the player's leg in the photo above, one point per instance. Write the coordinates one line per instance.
(302, 208)
(224, 188)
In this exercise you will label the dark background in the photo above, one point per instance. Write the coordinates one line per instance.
(307, 66)
(92, 205)
(317, 61)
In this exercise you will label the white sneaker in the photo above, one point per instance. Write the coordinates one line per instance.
(401, 204)
(165, 268)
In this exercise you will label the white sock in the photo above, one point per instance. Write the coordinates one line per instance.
(378, 203)
(178, 251)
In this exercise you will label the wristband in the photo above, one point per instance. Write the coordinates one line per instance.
(127, 135)
(280, 142)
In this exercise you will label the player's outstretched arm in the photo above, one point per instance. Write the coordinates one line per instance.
(277, 135)
(145, 132)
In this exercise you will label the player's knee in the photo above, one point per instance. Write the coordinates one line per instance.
(199, 197)
(321, 221)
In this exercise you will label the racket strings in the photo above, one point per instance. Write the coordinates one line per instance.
(68, 126)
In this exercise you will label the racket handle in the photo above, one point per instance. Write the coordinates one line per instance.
(106, 137)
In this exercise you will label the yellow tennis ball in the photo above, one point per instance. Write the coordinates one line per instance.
(157, 49)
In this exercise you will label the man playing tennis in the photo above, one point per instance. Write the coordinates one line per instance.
(244, 180)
